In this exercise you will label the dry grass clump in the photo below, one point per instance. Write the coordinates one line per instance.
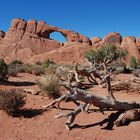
(3, 70)
(129, 86)
(121, 86)
(11, 101)
(51, 69)
(50, 86)
(37, 70)
(63, 71)
(15, 67)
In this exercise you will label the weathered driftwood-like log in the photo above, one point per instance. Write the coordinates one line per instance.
(71, 115)
(89, 72)
(128, 116)
(76, 93)
(89, 98)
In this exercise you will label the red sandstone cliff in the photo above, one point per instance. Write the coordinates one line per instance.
(29, 41)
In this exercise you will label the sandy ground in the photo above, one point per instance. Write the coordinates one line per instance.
(35, 125)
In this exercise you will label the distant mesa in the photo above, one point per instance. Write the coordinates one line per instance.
(29, 41)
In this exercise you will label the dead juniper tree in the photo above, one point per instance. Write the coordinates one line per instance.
(89, 72)
(104, 57)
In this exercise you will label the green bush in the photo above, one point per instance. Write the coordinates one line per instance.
(50, 86)
(26, 68)
(3, 70)
(11, 101)
(133, 62)
(47, 63)
(107, 52)
(16, 62)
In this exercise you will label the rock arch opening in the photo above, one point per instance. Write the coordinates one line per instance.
(58, 36)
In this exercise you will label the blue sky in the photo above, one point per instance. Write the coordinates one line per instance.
(88, 17)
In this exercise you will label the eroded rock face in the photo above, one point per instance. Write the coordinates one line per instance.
(29, 41)
(2, 34)
(96, 41)
(112, 38)
(63, 55)
(35, 37)
(138, 42)
(129, 43)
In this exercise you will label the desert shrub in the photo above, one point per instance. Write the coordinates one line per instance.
(51, 69)
(18, 67)
(37, 69)
(26, 68)
(108, 52)
(50, 86)
(63, 70)
(38, 63)
(14, 68)
(15, 62)
(133, 62)
(122, 86)
(47, 63)
(3, 70)
(119, 67)
(12, 71)
(11, 101)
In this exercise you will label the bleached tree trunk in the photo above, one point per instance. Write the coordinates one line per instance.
(90, 98)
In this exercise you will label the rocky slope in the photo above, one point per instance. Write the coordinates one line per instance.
(29, 41)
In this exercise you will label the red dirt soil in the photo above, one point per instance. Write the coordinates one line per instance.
(43, 126)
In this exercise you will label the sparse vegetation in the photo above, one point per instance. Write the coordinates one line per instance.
(49, 85)
(99, 61)
(16, 67)
(3, 70)
(37, 69)
(63, 70)
(133, 64)
(11, 101)
(108, 53)
(47, 63)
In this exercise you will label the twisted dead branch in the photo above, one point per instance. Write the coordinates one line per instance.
(76, 93)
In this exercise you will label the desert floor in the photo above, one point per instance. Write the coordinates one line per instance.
(37, 125)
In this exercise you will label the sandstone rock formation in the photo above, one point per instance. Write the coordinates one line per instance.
(112, 38)
(26, 39)
(129, 43)
(29, 41)
(2, 34)
(138, 42)
(96, 41)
